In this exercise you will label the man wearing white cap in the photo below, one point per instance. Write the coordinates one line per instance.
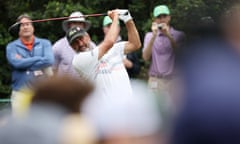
(63, 53)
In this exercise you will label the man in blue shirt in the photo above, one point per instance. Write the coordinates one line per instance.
(30, 58)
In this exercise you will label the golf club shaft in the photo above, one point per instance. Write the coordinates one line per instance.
(63, 18)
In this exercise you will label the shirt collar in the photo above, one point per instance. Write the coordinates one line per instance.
(27, 42)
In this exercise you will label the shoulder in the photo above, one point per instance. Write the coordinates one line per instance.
(177, 32)
(92, 44)
(42, 40)
(148, 34)
(118, 47)
(120, 44)
(85, 60)
(87, 55)
(178, 35)
(60, 42)
(13, 43)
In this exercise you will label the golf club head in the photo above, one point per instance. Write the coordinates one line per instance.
(14, 29)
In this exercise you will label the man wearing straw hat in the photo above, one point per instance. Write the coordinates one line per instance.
(63, 53)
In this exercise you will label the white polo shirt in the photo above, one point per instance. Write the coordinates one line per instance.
(108, 73)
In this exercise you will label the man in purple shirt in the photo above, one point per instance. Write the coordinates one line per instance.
(159, 48)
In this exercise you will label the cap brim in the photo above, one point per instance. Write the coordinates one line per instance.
(163, 13)
(66, 28)
(107, 23)
(76, 36)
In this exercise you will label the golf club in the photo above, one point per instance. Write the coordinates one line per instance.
(13, 29)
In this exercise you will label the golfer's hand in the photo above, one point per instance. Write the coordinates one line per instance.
(124, 15)
(113, 14)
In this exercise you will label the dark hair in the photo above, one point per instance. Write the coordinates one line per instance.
(63, 91)
(25, 15)
(14, 29)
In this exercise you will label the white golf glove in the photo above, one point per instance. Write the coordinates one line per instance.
(124, 15)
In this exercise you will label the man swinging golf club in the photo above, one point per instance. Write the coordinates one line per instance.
(104, 64)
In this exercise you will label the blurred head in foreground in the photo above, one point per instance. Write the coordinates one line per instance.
(230, 25)
(210, 75)
(66, 92)
(126, 120)
(54, 116)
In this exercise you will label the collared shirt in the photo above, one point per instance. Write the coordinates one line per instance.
(108, 72)
(28, 44)
(25, 63)
(162, 59)
(64, 54)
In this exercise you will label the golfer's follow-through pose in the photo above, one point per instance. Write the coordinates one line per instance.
(104, 64)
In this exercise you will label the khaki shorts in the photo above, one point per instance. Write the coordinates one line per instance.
(20, 102)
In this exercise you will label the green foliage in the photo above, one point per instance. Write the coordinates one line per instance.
(5, 79)
(185, 13)
(4, 36)
(188, 12)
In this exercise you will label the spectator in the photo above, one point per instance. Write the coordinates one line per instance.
(159, 47)
(107, 21)
(210, 77)
(30, 58)
(132, 64)
(131, 61)
(54, 116)
(104, 64)
(62, 50)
